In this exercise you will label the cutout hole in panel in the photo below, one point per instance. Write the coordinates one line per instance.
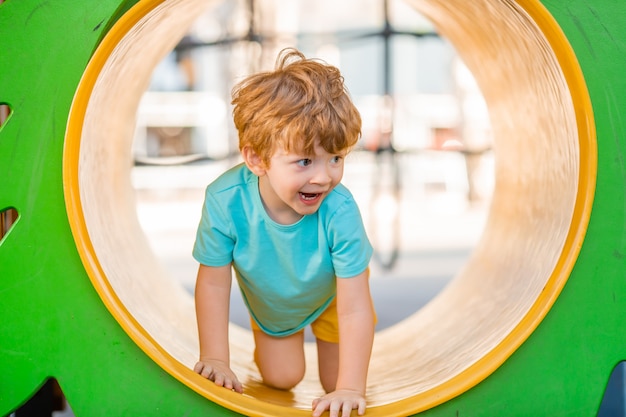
(8, 217)
(614, 401)
(5, 109)
(49, 400)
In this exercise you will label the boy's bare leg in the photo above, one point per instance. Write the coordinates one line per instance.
(280, 359)
(328, 359)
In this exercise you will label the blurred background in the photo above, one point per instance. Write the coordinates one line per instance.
(422, 172)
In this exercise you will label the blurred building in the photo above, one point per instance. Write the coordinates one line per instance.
(413, 91)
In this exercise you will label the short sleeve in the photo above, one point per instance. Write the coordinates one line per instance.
(214, 239)
(349, 245)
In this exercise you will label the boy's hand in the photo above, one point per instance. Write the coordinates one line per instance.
(344, 400)
(220, 373)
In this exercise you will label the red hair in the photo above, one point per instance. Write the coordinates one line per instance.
(301, 103)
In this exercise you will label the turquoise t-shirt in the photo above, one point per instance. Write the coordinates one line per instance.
(286, 272)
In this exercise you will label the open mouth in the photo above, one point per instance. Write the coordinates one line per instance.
(309, 196)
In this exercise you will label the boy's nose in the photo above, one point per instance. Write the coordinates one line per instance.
(322, 176)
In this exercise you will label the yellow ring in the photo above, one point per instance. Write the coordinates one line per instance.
(464, 380)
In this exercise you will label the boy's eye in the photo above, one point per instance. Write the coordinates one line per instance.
(336, 159)
(304, 162)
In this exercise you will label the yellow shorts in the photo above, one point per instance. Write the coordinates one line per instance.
(325, 327)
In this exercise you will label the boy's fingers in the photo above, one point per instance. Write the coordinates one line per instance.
(206, 372)
(361, 409)
(334, 408)
(198, 368)
(202, 369)
(219, 380)
(319, 406)
(238, 387)
(346, 409)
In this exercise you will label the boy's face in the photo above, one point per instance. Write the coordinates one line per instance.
(295, 185)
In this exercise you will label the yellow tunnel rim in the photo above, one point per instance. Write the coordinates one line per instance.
(457, 385)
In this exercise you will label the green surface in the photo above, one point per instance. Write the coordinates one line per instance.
(54, 323)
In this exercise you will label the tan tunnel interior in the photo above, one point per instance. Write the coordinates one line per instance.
(537, 171)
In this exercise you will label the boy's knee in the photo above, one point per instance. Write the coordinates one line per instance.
(329, 383)
(282, 378)
(281, 361)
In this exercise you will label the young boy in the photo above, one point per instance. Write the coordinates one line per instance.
(293, 235)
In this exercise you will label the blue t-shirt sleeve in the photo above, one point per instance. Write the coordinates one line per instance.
(214, 238)
(350, 248)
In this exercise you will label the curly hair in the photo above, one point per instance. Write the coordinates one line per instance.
(301, 103)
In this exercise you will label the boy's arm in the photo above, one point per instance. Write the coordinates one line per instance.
(356, 327)
(212, 297)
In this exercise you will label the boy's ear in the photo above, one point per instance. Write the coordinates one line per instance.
(253, 161)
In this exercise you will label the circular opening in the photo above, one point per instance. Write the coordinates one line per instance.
(545, 176)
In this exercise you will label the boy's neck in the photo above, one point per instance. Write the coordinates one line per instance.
(285, 215)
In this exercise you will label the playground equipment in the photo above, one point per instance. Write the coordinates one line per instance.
(531, 326)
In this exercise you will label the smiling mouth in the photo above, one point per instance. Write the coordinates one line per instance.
(309, 196)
